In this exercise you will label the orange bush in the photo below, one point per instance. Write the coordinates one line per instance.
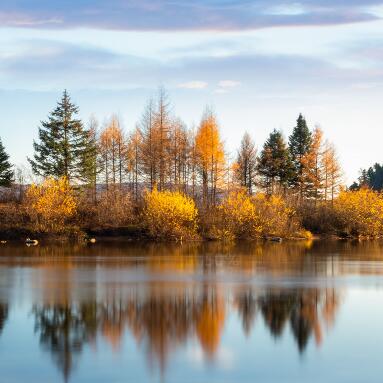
(245, 216)
(50, 205)
(170, 215)
(360, 212)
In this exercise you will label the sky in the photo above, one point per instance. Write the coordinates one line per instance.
(258, 63)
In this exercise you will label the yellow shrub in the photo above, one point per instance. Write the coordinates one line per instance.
(244, 216)
(170, 215)
(238, 217)
(51, 204)
(360, 212)
(275, 217)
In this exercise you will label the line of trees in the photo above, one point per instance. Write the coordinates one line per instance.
(162, 152)
(371, 178)
(307, 164)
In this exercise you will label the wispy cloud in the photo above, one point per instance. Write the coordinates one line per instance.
(193, 85)
(27, 21)
(228, 83)
(55, 64)
(225, 85)
(45, 64)
(287, 9)
(183, 15)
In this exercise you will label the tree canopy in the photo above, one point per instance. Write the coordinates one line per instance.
(62, 144)
(299, 146)
(371, 178)
(275, 165)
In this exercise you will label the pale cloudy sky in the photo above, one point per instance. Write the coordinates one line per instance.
(258, 62)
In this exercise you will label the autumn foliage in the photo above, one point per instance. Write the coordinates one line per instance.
(291, 184)
(113, 209)
(360, 212)
(170, 215)
(51, 205)
(251, 217)
(356, 213)
(210, 157)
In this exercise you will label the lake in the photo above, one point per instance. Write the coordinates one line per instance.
(209, 312)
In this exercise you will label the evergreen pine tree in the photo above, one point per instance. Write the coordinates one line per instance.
(375, 177)
(274, 163)
(62, 143)
(299, 146)
(6, 172)
(372, 178)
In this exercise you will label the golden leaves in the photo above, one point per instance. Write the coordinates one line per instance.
(170, 215)
(51, 204)
(245, 216)
(208, 142)
(360, 212)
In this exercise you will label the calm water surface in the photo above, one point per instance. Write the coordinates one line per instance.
(118, 312)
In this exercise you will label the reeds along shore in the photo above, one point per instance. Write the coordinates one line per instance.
(166, 181)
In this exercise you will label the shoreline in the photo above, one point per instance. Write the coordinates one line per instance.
(133, 234)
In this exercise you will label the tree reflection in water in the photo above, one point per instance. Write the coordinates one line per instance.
(164, 296)
(160, 323)
(63, 330)
(161, 320)
(3, 315)
(306, 310)
(246, 304)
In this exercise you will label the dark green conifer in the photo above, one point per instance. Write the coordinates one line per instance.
(299, 145)
(62, 143)
(274, 163)
(371, 178)
(6, 172)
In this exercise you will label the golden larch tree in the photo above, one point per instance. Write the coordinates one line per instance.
(210, 156)
(312, 171)
(133, 167)
(332, 172)
(113, 151)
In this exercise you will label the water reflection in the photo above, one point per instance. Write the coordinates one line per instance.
(160, 321)
(304, 309)
(302, 257)
(63, 330)
(3, 315)
(167, 297)
(246, 304)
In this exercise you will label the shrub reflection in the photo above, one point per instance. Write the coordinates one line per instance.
(161, 320)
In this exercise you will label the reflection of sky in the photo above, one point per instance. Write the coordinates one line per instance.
(322, 58)
(351, 351)
(151, 313)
